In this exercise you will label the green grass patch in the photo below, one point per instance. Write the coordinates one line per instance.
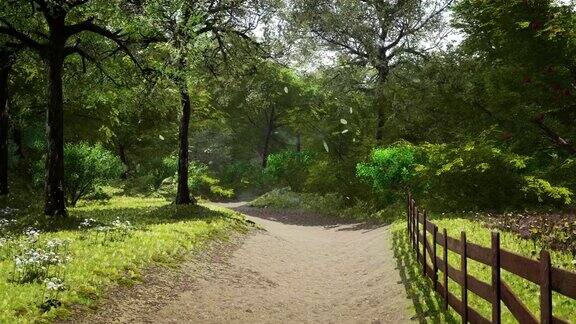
(158, 233)
(328, 205)
(427, 301)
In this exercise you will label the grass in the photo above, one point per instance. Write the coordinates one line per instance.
(161, 233)
(328, 205)
(427, 302)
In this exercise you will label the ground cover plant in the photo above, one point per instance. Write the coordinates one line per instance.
(114, 114)
(46, 271)
(481, 235)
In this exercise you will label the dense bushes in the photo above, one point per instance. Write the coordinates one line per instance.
(87, 167)
(202, 183)
(476, 175)
(289, 168)
(389, 170)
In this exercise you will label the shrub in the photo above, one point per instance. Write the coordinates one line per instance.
(200, 182)
(481, 175)
(289, 168)
(243, 176)
(389, 170)
(205, 185)
(86, 167)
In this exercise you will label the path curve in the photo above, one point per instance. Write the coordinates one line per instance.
(300, 269)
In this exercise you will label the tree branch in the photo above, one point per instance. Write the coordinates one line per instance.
(10, 31)
(553, 136)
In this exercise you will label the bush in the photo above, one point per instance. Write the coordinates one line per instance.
(245, 176)
(200, 182)
(85, 168)
(203, 184)
(389, 170)
(289, 168)
(481, 175)
(477, 175)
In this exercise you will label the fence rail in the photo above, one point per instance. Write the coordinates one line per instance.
(541, 272)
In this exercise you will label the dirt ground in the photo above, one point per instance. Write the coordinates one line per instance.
(299, 269)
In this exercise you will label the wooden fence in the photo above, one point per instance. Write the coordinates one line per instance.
(539, 272)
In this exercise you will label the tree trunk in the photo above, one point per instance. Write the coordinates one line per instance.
(4, 71)
(267, 137)
(55, 202)
(383, 73)
(124, 159)
(298, 143)
(379, 122)
(183, 194)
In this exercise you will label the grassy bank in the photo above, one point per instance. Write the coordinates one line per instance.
(328, 205)
(52, 267)
(428, 303)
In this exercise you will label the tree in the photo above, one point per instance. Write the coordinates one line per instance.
(6, 61)
(536, 41)
(373, 33)
(48, 31)
(260, 104)
(189, 28)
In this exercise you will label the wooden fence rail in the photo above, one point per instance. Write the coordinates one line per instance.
(539, 272)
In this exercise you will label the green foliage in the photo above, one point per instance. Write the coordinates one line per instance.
(481, 175)
(331, 205)
(245, 176)
(204, 185)
(160, 234)
(87, 167)
(477, 233)
(389, 169)
(289, 168)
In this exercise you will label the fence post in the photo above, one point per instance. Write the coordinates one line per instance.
(417, 237)
(545, 289)
(496, 308)
(445, 233)
(464, 270)
(434, 263)
(409, 206)
(413, 204)
(424, 242)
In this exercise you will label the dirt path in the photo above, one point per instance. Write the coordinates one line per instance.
(301, 269)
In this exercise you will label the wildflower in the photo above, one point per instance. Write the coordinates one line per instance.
(87, 223)
(32, 235)
(54, 284)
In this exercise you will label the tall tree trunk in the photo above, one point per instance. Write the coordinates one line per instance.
(383, 73)
(55, 202)
(183, 195)
(124, 160)
(298, 143)
(267, 138)
(379, 123)
(4, 72)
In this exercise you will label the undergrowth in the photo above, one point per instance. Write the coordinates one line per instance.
(105, 244)
(476, 233)
(327, 205)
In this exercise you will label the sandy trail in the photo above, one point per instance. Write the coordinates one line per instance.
(301, 269)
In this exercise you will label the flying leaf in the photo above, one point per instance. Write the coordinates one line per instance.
(326, 146)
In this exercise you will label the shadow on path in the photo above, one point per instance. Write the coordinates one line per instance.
(428, 305)
(306, 218)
